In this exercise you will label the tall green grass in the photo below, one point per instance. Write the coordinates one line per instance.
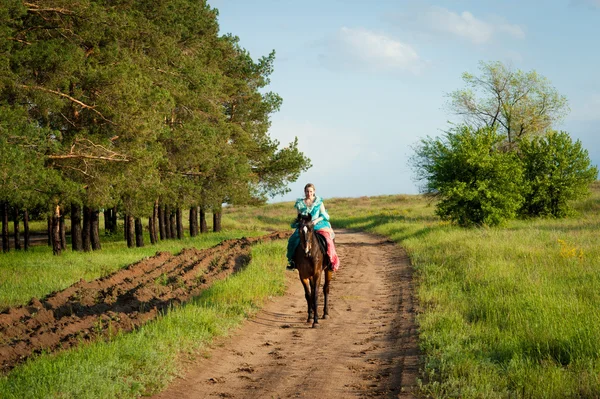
(144, 361)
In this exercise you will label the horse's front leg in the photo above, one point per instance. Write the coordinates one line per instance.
(328, 276)
(308, 298)
(314, 285)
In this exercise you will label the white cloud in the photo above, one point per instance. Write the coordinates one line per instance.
(591, 3)
(346, 162)
(329, 149)
(363, 49)
(464, 25)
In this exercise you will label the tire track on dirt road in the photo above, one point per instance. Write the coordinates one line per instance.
(367, 348)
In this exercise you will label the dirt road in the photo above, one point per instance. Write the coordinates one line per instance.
(367, 348)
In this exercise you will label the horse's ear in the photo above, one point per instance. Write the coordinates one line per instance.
(308, 217)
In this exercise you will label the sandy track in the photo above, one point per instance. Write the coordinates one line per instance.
(368, 348)
(119, 302)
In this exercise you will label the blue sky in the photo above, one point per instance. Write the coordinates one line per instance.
(363, 81)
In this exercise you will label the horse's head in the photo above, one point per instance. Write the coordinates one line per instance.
(305, 228)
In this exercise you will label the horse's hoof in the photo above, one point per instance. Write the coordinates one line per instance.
(315, 325)
(325, 316)
(309, 320)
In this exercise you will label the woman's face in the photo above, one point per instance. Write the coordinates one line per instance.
(309, 192)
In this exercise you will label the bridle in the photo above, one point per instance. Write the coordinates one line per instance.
(306, 233)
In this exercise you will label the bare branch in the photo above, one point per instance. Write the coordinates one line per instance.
(83, 156)
(85, 149)
(20, 41)
(31, 7)
(76, 169)
(68, 120)
(73, 99)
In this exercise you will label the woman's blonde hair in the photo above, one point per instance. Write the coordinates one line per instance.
(310, 185)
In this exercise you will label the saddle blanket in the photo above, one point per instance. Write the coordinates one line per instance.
(333, 257)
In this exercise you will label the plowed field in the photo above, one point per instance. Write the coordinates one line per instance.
(121, 301)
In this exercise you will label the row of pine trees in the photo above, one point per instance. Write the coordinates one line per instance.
(140, 109)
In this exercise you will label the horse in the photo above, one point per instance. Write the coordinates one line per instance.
(310, 262)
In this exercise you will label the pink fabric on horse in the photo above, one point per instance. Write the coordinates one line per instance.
(335, 260)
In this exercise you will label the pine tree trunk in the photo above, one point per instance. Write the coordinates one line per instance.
(130, 232)
(107, 221)
(139, 233)
(161, 222)
(179, 221)
(172, 224)
(113, 222)
(151, 229)
(56, 249)
(126, 229)
(168, 222)
(5, 245)
(86, 238)
(203, 225)
(17, 235)
(26, 238)
(62, 232)
(76, 239)
(49, 230)
(193, 221)
(216, 221)
(95, 229)
(154, 233)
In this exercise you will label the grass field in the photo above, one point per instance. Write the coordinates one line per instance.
(509, 312)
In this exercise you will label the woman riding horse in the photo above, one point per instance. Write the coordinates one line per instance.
(312, 205)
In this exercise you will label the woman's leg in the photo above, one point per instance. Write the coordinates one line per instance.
(293, 242)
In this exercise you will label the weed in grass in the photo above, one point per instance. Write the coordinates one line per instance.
(176, 282)
(569, 251)
(163, 280)
(214, 263)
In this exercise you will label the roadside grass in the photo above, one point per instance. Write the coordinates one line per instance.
(144, 361)
(508, 312)
(36, 273)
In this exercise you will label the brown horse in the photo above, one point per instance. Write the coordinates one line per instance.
(310, 262)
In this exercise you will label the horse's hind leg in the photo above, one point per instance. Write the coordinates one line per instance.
(328, 276)
(308, 298)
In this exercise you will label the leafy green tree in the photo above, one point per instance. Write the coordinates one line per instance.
(475, 181)
(557, 171)
(517, 103)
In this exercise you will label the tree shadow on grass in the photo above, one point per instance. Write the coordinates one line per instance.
(404, 225)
